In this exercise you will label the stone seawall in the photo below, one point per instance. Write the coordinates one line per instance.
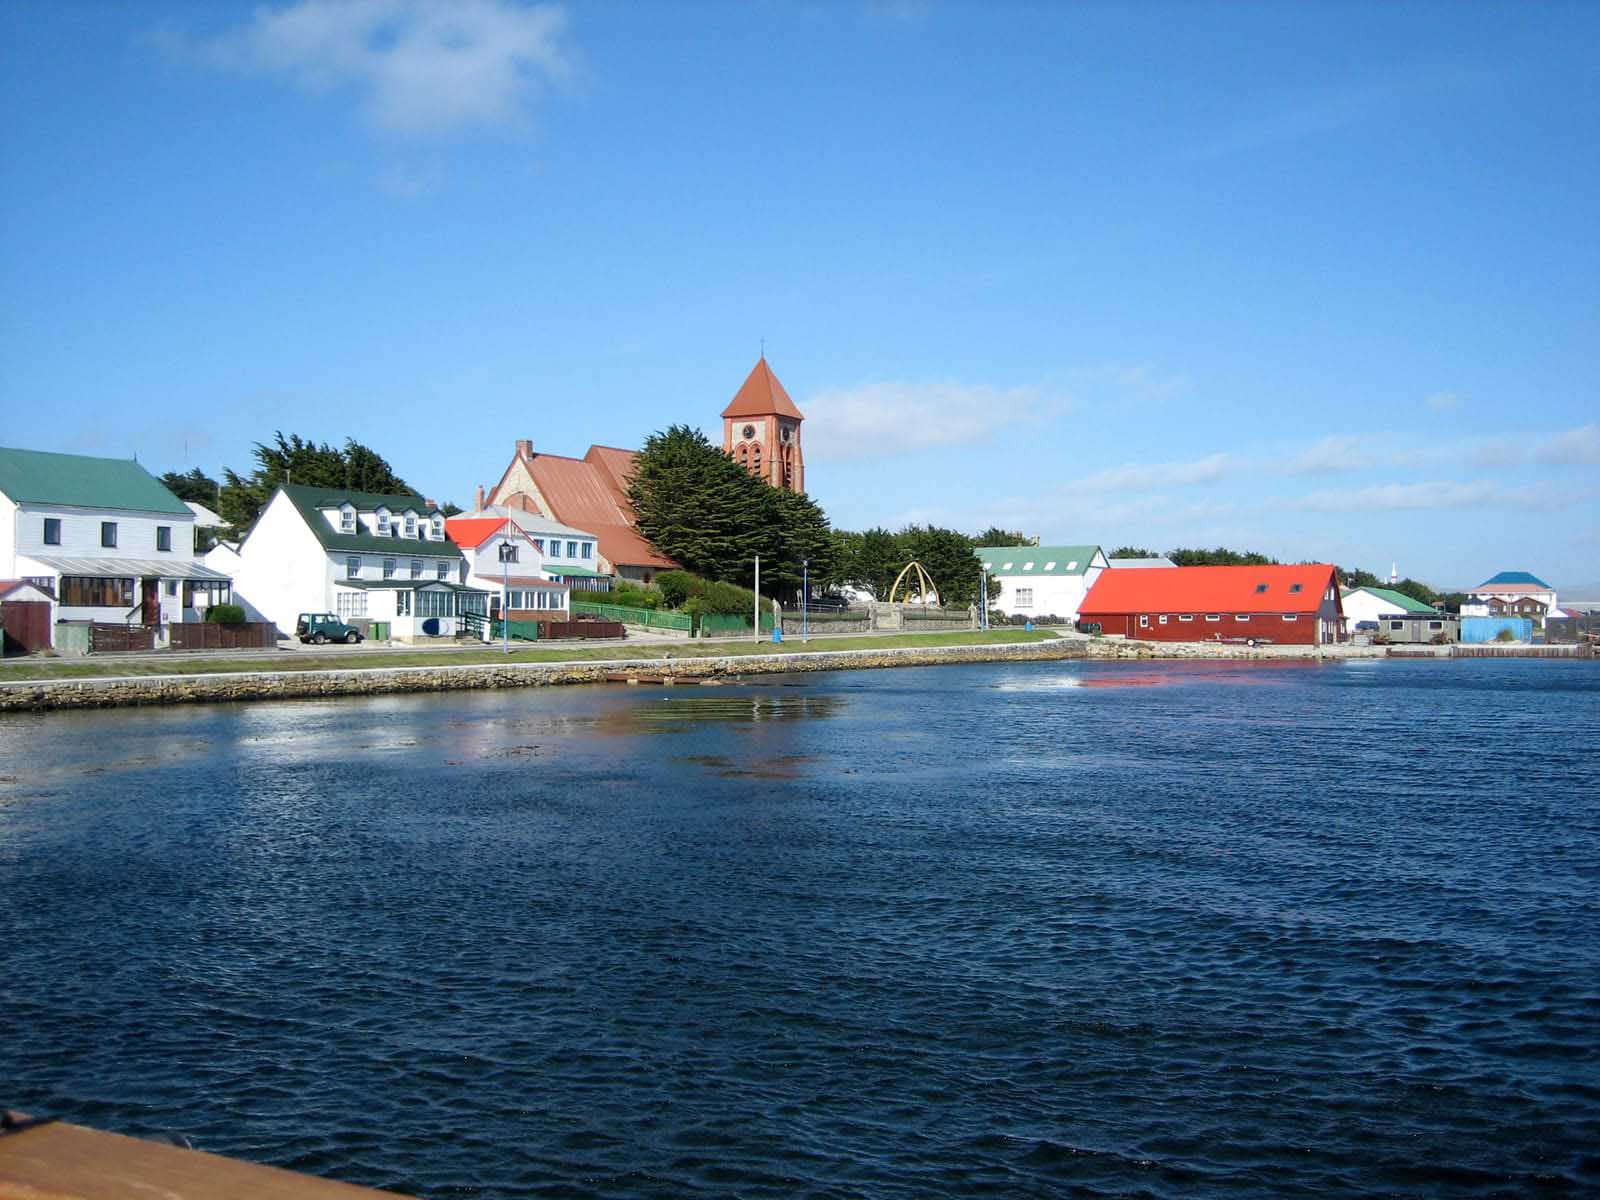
(43, 695)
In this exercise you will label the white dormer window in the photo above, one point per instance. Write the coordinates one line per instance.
(1027, 566)
(411, 524)
(347, 519)
(381, 520)
(1073, 565)
(438, 527)
(1005, 566)
(1051, 565)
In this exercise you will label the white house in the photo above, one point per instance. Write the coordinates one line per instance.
(503, 560)
(1374, 603)
(567, 554)
(1042, 581)
(104, 538)
(372, 560)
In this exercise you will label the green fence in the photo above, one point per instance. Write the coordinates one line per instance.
(528, 631)
(725, 624)
(648, 617)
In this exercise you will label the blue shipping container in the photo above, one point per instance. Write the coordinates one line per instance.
(1487, 629)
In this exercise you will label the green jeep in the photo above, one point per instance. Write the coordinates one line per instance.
(324, 627)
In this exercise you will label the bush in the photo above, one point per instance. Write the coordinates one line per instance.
(1505, 635)
(632, 596)
(677, 587)
(727, 598)
(225, 614)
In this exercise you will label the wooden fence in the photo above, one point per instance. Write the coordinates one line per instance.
(208, 635)
(105, 638)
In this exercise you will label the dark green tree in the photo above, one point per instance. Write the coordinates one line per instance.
(877, 560)
(293, 459)
(948, 557)
(1220, 556)
(194, 485)
(995, 536)
(1132, 552)
(697, 506)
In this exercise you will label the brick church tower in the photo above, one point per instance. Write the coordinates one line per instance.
(761, 431)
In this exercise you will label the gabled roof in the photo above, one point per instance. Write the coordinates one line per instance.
(761, 395)
(1400, 600)
(1006, 561)
(581, 492)
(310, 501)
(77, 480)
(22, 586)
(1121, 563)
(1210, 589)
(471, 532)
(1516, 579)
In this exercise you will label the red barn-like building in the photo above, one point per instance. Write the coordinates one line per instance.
(1296, 604)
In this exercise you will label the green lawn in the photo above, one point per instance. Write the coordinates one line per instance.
(18, 671)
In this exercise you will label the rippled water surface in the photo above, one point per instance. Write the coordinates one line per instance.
(1029, 930)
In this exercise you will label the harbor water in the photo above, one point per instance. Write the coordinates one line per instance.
(1036, 930)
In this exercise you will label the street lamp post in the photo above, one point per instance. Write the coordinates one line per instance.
(805, 598)
(983, 597)
(507, 553)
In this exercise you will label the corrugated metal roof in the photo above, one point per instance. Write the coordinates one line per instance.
(762, 395)
(310, 501)
(1210, 589)
(1141, 563)
(472, 532)
(581, 493)
(1516, 579)
(1006, 561)
(1389, 596)
(123, 568)
(77, 480)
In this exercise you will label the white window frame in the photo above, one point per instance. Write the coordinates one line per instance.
(1213, 617)
(347, 519)
(390, 565)
(1024, 597)
(352, 567)
(381, 522)
(411, 525)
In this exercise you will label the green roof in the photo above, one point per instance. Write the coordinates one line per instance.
(585, 572)
(1400, 600)
(39, 477)
(1036, 560)
(312, 500)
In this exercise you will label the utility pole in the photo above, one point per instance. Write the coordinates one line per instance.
(758, 599)
(805, 600)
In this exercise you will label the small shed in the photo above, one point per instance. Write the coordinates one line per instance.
(25, 616)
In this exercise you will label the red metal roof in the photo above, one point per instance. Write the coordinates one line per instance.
(584, 494)
(1210, 589)
(471, 532)
(762, 395)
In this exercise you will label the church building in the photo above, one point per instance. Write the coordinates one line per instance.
(761, 431)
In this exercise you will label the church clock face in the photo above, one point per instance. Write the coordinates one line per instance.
(749, 432)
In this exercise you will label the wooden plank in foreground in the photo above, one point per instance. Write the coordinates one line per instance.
(56, 1161)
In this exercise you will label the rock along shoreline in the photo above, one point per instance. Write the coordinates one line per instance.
(220, 688)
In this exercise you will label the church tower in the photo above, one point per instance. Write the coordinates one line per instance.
(761, 431)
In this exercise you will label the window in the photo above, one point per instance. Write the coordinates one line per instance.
(1005, 566)
(1397, 624)
(1073, 565)
(1162, 618)
(1261, 587)
(416, 568)
(1051, 565)
(1241, 616)
(1024, 597)
(1293, 588)
(382, 519)
(506, 552)
(438, 527)
(347, 519)
(1144, 622)
(1213, 617)
(85, 591)
(402, 604)
(352, 567)
(172, 587)
(588, 549)
(538, 544)
(108, 534)
(436, 604)
(1186, 617)
(1027, 566)
(52, 531)
(164, 537)
(441, 569)
(388, 568)
(1435, 624)
(1291, 616)
(755, 459)
(411, 525)
(351, 604)
(572, 549)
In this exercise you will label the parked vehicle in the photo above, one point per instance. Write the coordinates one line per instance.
(324, 627)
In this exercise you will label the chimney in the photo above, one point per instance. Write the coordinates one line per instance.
(431, 503)
(524, 447)
(477, 502)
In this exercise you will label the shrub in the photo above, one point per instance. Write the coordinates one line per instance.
(1505, 635)
(677, 586)
(727, 598)
(633, 596)
(225, 614)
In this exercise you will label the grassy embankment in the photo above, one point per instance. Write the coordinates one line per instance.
(521, 652)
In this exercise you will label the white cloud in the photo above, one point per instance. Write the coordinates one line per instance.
(1331, 455)
(421, 67)
(894, 418)
(1149, 476)
(1574, 447)
(1415, 497)
(1441, 401)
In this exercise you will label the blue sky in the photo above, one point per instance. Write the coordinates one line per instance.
(1320, 280)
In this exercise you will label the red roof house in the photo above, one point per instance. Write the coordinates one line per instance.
(1294, 604)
